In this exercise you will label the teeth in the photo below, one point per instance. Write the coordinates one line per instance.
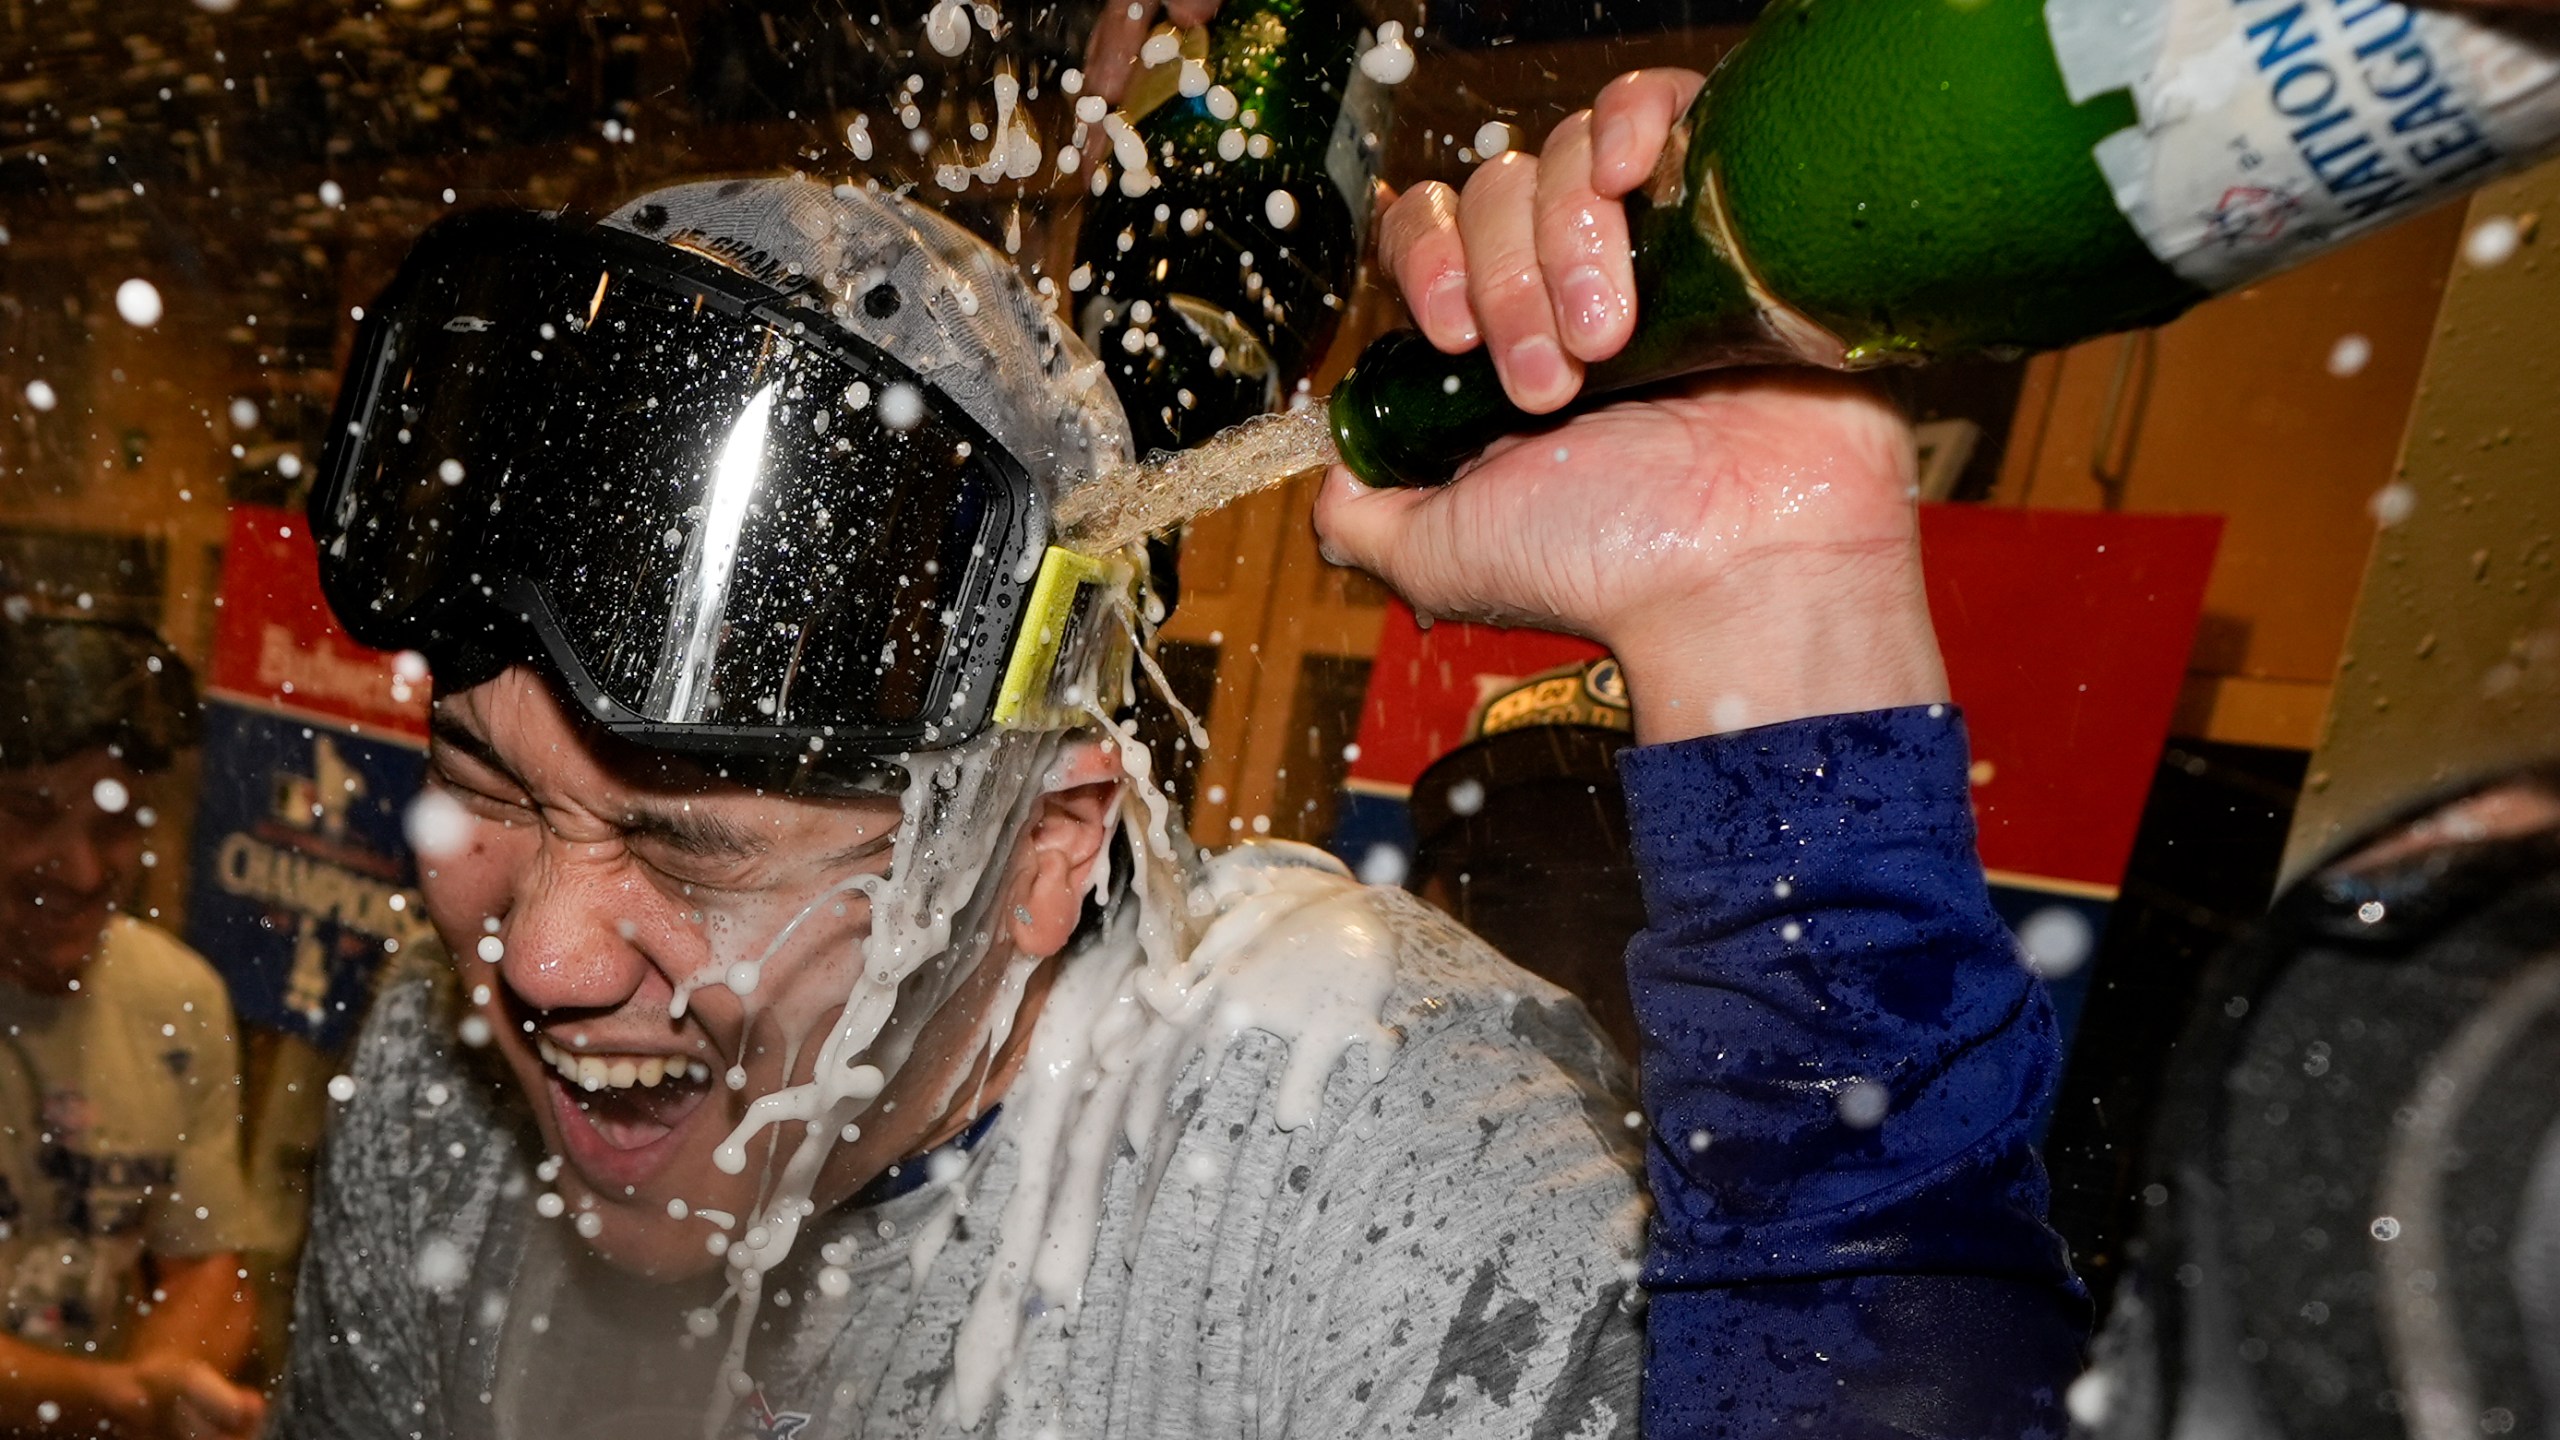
(619, 1072)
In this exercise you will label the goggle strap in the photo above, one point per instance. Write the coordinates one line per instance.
(1066, 630)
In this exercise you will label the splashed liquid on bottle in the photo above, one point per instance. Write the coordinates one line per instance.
(1169, 487)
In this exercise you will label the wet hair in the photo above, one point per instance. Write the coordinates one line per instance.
(71, 685)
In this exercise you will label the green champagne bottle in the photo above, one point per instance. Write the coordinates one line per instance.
(1871, 182)
(1217, 249)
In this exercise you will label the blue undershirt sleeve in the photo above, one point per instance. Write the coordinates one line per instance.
(1842, 1058)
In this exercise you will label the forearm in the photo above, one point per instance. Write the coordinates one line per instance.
(1750, 649)
(46, 1392)
(202, 1309)
(1842, 1058)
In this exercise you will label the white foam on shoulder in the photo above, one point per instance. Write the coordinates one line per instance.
(1308, 960)
(1293, 948)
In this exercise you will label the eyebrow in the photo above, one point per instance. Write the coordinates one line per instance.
(443, 729)
(860, 850)
(694, 832)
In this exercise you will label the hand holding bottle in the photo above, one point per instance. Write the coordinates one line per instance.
(1747, 546)
(1532, 261)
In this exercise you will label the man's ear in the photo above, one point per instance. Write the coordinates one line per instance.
(1064, 841)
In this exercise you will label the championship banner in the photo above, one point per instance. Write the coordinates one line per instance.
(313, 748)
(2066, 636)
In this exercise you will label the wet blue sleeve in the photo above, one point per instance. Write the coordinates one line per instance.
(1841, 1059)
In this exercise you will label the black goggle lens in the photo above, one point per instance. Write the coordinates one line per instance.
(727, 522)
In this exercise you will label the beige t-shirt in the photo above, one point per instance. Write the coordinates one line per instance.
(119, 1136)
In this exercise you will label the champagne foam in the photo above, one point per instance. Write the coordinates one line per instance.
(1126, 505)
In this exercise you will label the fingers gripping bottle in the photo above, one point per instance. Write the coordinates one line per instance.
(1870, 182)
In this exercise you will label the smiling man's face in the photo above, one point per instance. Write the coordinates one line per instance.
(66, 863)
(593, 881)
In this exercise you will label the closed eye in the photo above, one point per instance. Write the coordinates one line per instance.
(480, 799)
(461, 764)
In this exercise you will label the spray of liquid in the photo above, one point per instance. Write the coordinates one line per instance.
(1169, 487)
(958, 807)
(1290, 948)
(1194, 954)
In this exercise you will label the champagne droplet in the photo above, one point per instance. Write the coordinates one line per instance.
(1390, 61)
(947, 27)
(138, 301)
(2492, 242)
(2393, 503)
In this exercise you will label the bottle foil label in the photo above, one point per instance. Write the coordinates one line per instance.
(2272, 129)
(1356, 149)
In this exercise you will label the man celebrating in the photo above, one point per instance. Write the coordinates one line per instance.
(877, 1058)
(873, 1056)
(122, 1210)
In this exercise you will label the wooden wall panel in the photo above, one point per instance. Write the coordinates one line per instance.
(2235, 409)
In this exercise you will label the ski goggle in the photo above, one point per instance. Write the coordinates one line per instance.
(732, 526)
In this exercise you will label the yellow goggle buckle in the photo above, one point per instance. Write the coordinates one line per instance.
(1067, 634)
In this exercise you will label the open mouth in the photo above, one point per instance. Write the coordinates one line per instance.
(616, 1109)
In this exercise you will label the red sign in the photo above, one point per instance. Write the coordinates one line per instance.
(2066, 636)
(277, 646)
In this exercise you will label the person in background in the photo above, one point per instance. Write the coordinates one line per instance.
(1521, 834)
(2351, 1196)
(122, 1209)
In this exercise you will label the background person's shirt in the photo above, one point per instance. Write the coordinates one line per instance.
(1447, 1251)
(119, 1136)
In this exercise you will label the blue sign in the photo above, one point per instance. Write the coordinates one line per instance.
(302, 881)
